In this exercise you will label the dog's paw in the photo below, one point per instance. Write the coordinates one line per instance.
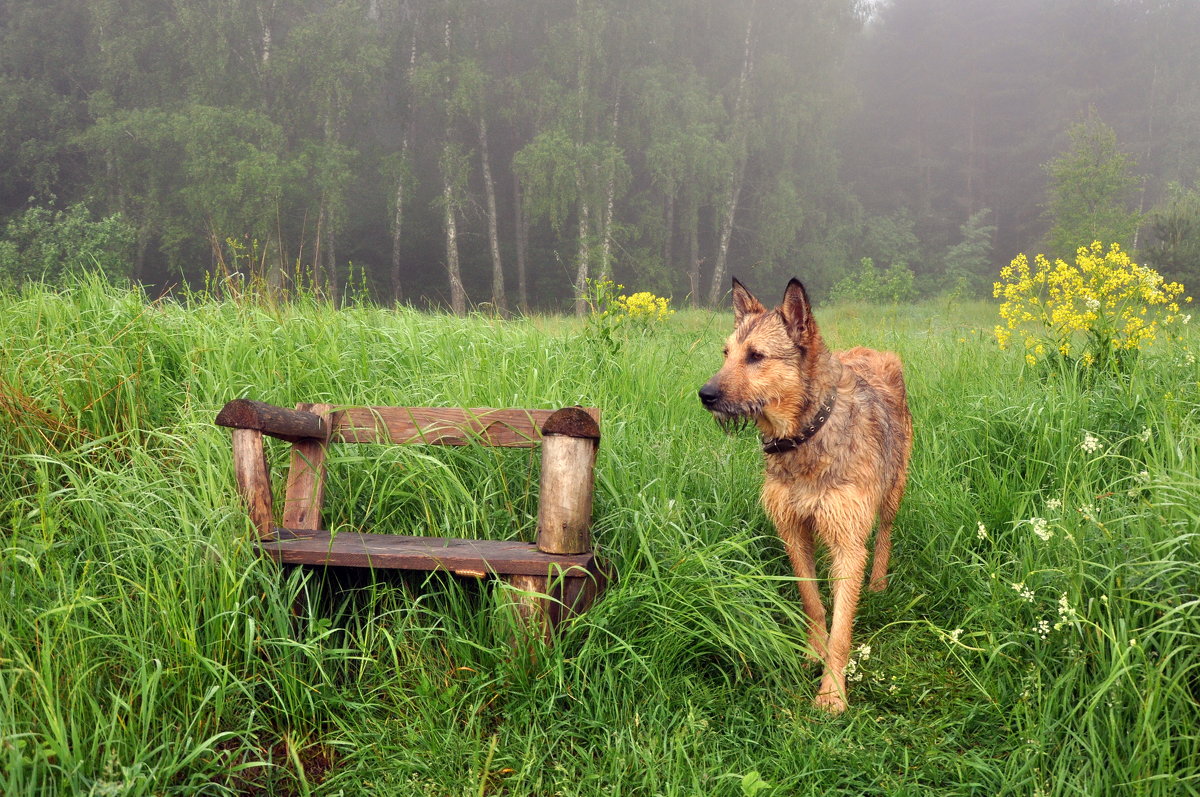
(831, 702)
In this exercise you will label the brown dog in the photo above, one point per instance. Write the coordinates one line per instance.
(836, 438)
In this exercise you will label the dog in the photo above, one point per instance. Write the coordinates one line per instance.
(837, 436)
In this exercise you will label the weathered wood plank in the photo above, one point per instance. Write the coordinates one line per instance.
(290, 425)
(306, 477)
(441, 426)
(402, 552)
(253, 478)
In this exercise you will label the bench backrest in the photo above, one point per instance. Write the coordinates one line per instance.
(566, 482)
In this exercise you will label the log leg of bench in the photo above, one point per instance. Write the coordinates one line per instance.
(529, 607)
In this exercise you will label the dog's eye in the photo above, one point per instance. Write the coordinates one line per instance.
(725, 351)
(753, 356)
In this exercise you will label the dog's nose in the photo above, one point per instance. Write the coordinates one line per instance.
(709, 394)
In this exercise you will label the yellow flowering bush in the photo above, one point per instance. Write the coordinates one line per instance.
(613, 312)
(645, 306)
(1101, 310)
(608, 304)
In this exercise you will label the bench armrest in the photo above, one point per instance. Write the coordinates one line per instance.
(290, 425)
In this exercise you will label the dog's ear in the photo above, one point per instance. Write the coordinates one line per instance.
(744, 302)
(797, 313)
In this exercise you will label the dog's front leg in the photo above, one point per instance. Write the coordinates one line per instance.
(798, 540)
(849, 562)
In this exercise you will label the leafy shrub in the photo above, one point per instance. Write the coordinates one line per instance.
(1100, 312)
(51, 245)
(612, 313)
(968, 268)
(1175, 235)
(894, 285)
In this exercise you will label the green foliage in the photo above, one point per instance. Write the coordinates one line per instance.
(968, 263)
(891, 240)
(613, 316)
(1090, 187)
(1175, 230)
(893, 285)
(57, 245)
(1042, 640)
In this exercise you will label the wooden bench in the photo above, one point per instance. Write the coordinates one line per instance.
(561, 565)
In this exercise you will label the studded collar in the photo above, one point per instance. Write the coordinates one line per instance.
(782, 445)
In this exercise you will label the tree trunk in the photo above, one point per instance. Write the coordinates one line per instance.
(266, 22)
(397, 219)
(398, 214)
(317, 277)
(668, 230)
(694, 259)
(331, 266)
(609, 196)
(581, 261)
(717, 287)
(458, 296)
(522, 218)
(139, 257)
(499, 298)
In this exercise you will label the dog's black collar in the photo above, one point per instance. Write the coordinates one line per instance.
(782, 445)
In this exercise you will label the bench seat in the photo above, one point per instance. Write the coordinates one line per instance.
(400, 552)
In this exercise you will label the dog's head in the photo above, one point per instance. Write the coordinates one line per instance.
(770, 362)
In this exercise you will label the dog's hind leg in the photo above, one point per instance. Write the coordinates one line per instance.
(883, 537)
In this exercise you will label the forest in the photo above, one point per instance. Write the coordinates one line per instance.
(501, 154)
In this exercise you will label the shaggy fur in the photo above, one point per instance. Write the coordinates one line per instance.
(831, 487)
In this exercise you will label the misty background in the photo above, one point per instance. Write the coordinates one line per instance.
(502, 152)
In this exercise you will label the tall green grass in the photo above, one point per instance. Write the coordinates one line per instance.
(145, 649)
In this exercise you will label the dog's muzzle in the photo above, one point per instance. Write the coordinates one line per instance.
(730, 417)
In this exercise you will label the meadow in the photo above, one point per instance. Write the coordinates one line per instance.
(1039, 636)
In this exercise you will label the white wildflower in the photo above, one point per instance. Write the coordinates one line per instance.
(1025, 592)
(1144, 435)
(1065, 613)
(981, 532)
(1090, 444)
(1054, 504)
(1041, 528)
(1042, 629)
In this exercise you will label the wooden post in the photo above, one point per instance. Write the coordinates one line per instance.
(569, 441)
(306, 476)
(531, 612)
(253, 478)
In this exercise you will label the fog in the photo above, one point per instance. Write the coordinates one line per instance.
(504, 155)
